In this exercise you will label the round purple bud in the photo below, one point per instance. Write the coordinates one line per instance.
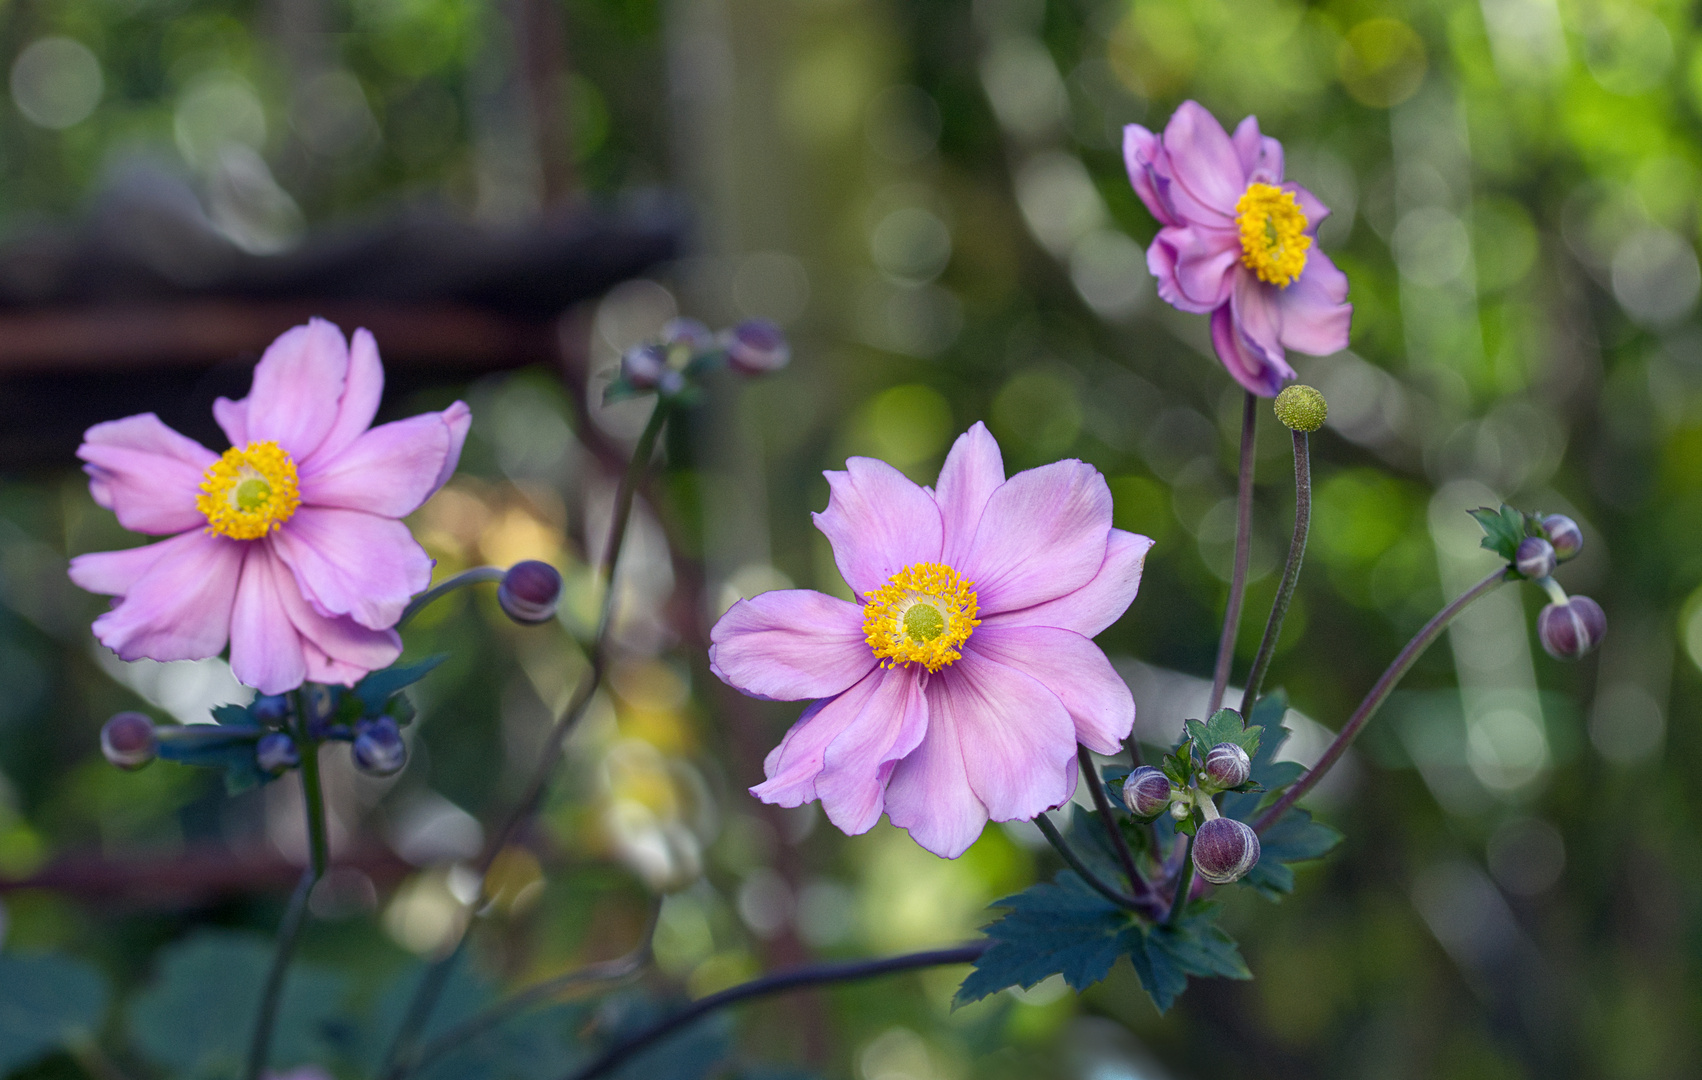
(529, 592)
(379, 749)
(1534, 558)
(1146, 792)
(1570, 630)
(271, 709)
(645, 366)
(1227, 765)
(757, 347)
(1225, 849)
(276, 752)
(688, 332)
(127, 740)
(1564, 534)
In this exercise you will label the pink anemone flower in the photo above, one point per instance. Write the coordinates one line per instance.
(1239, 243)
(956, 691)
(288, 546)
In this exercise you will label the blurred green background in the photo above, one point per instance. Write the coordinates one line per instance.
(931, 198)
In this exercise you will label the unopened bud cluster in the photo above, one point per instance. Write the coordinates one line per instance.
(1225, 849)
(1571, 626)
(688, 349)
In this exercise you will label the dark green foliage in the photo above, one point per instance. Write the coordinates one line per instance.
(376, 690)
(46, 1002)
(227, 745)
(1058, 927)
(1294, 838)
(1503, 529)
(1194, 944)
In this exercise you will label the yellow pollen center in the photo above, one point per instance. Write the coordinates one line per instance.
(920, 616)
(249, 492)
(1273, 234)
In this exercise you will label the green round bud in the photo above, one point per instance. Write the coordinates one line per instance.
(1301, 408)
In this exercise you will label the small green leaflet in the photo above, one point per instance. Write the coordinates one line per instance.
(1058, 927)
(1503, 529)
(46, 1001)
(216, 746)
(1224, 726)
(1165, 956)
(376, 689)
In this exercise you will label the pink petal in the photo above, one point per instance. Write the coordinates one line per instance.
(296, 385)
(180, 608)
(928, 793)
(146, 473)
(1314, 317)
(388, 471)
(1311, 206)
(878, 522)
(1016, 737)
(789, 645)
(1255, 362)
(857, 764)
(972, 471)
(1077, 673)
(792, 766)
(1200, 264)
(362, 389)
(1143, 154)
(233, 419)
(1096, 605)
(265, 650)
(1261, 156)
(351, 563)
(459, 418)
(1205, 167)
(114, 573)
(337, 650)
(1042, 535)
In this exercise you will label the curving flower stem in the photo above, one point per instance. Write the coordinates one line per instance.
(477, 575)
(1184, 882)
(432, 982)
(1290, 572)
(1386, 683)
(1094, 881)
(777, 983)
(1095, 788)
(1243, 544)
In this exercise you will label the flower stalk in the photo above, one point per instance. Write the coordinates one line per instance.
(477, 575)
(1385, 684)
(1290, 572)
(1243, 544)
(1090, 776)
(1184, 883)
(1094, 881)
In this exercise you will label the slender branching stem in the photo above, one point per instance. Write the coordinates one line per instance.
(1385, 683)
(477, 575)
(777, 983)
(432, 982)
(620, 967)
(1184, 882)
(313, 796)
(1097, 883)
(1290, 572)
(271, 996)
(1090, 776)
(1243, 543)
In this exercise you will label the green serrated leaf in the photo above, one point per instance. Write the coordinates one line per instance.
(1164, 956)
(196, 1017)
(46, 1001)
(1224, 726)
(375, 690)
(1161, 977)
(1248, 740)
(1174, 770)
(1058, 927)
(1295, 837)
(1503, 528)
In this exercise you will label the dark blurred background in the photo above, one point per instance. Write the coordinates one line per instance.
(930, 198)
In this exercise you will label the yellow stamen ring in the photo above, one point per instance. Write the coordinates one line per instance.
(1273, 234)
(249, 492)
(920, 616)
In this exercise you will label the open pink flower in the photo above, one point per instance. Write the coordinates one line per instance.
(288, 545)
(1238, 243)
(958, 689)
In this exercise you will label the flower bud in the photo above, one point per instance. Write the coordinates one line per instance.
(276, 752)
(1534, 557)
(529, 592)
(271, 709)
(1227, 765)
(688, 332)
(1146, 792)
(1301, 408)
(1225, 849)
(1568, 631)
(757, 347)
(379, 749)
(127, 740)
(1564, 534)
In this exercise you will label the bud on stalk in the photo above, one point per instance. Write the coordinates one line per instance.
(1225, 849)
(1146, 792)
(1227, 765)
(1535, 558)
(757, 347)
(276, 752)
(127, 740)
(379, 749)
(1564, 534)
(529, 592)
(1570, 630)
